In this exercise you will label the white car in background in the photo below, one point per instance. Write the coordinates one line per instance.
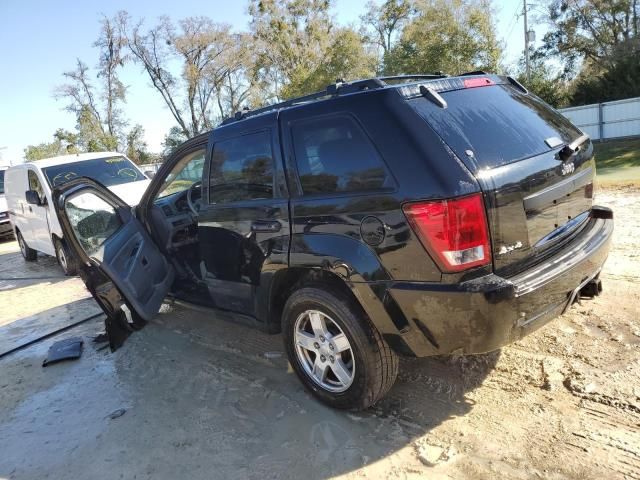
(28, 190)
(5, 224)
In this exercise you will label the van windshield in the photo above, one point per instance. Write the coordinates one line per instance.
(1, 182)
(497, 123)
(108, 171)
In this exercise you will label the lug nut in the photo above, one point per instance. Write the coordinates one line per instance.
(322, 339)
(323, 358)
(316, 345)
(332, 359)
(331, 347)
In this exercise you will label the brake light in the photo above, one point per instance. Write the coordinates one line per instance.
(453, 231)
(478, 82)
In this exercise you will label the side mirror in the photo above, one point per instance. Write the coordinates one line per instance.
(33, 198)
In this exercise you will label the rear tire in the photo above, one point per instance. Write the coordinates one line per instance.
(65, 258)
(354, 372)
(29, 254)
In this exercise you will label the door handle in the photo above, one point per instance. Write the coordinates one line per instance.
(266, 226)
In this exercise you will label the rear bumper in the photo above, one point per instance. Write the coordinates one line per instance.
(5, 228)
(487, 313)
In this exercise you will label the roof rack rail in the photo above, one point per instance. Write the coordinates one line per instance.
(474, 72)
(339, 88)
(336, 89)
(428, 76)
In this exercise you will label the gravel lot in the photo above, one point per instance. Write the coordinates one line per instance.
(193, 396)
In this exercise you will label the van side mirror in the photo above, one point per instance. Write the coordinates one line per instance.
(33, 198)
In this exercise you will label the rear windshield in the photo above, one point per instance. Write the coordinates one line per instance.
(108, 171)
(498, 124)
(1, 182)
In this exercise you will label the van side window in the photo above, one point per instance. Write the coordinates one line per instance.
(333, 154)
(34, 184)
(241, 169)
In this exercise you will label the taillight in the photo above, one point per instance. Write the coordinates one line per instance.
(453, 231)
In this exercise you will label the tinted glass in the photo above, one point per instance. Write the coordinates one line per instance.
(93, 221)
(1, 182)
(498, 124)
(108, 171)
(186, 172)
(334, 155)
(242, 169)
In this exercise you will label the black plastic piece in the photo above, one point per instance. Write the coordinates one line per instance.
(67, 349)
(604, 213)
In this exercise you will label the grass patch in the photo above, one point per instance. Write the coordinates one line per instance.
(617, 153)
(618, 161)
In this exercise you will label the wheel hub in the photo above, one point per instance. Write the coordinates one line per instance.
(324, 351)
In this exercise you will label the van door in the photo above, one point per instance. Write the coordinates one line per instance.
(38, 218)
(119, 262)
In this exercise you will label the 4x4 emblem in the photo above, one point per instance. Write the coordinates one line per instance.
(567, 168)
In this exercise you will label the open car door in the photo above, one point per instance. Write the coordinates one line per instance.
(118, 261)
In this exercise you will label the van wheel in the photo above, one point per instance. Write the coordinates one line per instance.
(29, 254)
(65, 259)
(335, 350)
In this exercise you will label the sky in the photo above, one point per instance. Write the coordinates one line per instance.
(40, 39)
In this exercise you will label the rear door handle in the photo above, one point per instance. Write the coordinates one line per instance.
(266, 226)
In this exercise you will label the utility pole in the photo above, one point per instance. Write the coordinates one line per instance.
(526, 42)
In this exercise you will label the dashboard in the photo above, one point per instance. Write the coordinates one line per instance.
(175, 223)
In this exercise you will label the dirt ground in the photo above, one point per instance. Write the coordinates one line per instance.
(192, 396)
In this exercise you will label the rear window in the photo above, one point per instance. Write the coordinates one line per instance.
(108, 171)
(498, 124)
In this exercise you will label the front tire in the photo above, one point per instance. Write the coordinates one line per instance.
(335, 350)
(65, 259)
(29, 254)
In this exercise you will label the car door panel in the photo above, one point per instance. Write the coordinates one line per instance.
(120, 264)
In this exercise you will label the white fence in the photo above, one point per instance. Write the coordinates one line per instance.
(602, 121)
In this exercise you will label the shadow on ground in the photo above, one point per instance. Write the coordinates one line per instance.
(206, 398)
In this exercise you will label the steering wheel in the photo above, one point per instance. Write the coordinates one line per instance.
(195, 203)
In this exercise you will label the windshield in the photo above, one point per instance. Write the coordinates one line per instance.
(497, 124)
(108, 171)
(1, 182)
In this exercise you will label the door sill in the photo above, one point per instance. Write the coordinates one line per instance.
(227, 315)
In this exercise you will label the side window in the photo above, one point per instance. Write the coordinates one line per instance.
(334, 155)
(34, 184)
(242, 169)
(93, 221)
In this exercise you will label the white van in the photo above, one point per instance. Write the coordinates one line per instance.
(5, 223)
(28, 192)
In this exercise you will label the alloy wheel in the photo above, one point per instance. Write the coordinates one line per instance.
(324, 351)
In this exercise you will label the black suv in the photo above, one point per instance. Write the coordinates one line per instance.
(421, 215)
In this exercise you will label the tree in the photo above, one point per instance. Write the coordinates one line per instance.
(64, 143)
(449, 36)
(297, 48)
(383, 23)
(173, 140)
(591, 31)
(545, 82)
(136, 146)
(212, 59)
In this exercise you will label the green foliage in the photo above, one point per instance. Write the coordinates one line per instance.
(621, 80)
(137, 147)
(299, 51)
(590, 31)
(173, 140)
(449, 36)
(545, 82)
(64, 143)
